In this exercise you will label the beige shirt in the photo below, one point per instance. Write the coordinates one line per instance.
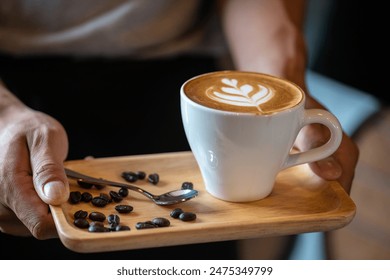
(136, 28)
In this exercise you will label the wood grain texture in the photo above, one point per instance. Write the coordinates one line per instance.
(300, 202)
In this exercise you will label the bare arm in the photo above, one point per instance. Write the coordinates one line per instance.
(263, 38)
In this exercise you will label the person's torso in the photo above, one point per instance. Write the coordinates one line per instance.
(99, 27)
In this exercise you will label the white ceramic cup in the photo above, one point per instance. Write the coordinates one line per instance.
(240, 154)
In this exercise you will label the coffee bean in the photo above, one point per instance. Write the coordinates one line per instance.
(81, 214)
(87, 185)
(99, 202)
(187, 186)
(187, 216)
(124, 208)
(97, 228)
(84, 185)
(81, 223)
(112, 226)
(96, 224)
(106, 197)
(141, 175)
(75, 197)
(116, 197)
(129, 176)
(154, 178)
(86, 197)
(113, 219)
(144, 225)
(123, 192)
(161, 222)
(121, 228)
(98, 187)
(97, 216)
(175, 213)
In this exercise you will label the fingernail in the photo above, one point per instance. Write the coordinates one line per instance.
(330, 168)
(54, 189)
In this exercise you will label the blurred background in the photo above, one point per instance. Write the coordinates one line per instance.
(348, 61)
(354, 48)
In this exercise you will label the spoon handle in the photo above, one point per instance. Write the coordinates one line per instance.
(88, 179)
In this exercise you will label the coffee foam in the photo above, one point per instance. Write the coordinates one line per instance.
(246, 92)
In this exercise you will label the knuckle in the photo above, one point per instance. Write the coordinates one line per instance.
(39, 230)
(48, 170)
(36, 223)
(44, 228)
(44, 130)
(45, 167)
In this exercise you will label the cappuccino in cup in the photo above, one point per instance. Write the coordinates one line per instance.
(241, 127)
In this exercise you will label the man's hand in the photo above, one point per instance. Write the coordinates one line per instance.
(33, 147)
(341, 165)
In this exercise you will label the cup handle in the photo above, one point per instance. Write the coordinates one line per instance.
(322, 117)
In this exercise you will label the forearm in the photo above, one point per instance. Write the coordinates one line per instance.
(265, 36)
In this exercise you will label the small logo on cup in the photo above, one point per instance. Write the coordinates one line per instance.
(245, 95)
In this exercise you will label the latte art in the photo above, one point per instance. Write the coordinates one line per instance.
(245, 92)
(245, 95)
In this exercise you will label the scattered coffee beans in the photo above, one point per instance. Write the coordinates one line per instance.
(114, 220)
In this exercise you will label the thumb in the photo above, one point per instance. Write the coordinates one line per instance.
(48, 151)
(50, 182)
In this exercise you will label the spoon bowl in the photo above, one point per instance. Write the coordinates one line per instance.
(169, 198)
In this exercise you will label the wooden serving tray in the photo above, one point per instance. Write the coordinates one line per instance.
(300, 202)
